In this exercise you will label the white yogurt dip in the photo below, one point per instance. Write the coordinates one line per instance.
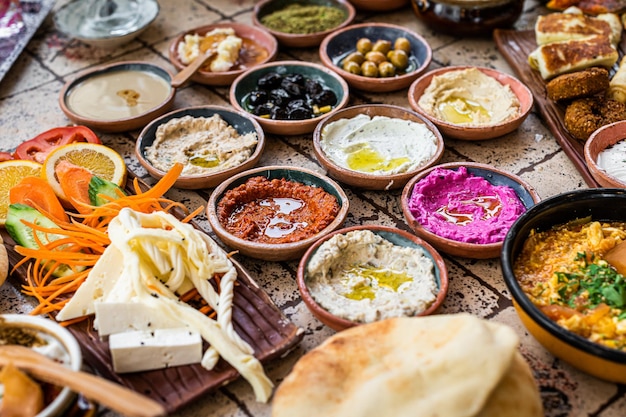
(613, 160)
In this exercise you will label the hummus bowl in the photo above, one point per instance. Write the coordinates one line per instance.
(130, 95)
(340, 47)
(464, 209)
(249, 93)
(344, 10)
(360, 154)
(608, 141)
(52, 340)
(258, 47)
(604, 204)
(275, 213)
(485, 108)
(367, 273)
(203, 139)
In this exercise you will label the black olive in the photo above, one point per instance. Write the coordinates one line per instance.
(263, 109)
(257, 97)
(325, 98)
(299, 113)
(294, 90)
(269, 80)
(278, 113)
(295, 78)
(280, 97)
(313, 87)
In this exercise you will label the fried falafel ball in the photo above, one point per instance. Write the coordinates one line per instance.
(585, 83)
(586, 115)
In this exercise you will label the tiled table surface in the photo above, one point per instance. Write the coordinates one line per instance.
(29, 105)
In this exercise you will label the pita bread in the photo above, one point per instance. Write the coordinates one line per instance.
(4, 262)
(444, 366)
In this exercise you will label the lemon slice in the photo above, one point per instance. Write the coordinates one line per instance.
(11, 173)
(100, 160)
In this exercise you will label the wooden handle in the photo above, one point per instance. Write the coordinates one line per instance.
(105, 392)
(186, 73)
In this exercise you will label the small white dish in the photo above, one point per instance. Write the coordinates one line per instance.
(106, 24)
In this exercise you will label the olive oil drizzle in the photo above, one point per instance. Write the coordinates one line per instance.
(383, 277)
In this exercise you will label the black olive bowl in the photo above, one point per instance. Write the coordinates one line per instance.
(339, 44)
(599, 204)
(247, 83)
(242, 122)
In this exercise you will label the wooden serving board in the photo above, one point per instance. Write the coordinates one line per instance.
(256, 318)
(515, 46)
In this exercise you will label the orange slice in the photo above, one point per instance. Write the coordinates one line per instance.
(100, 160)
(11, 173)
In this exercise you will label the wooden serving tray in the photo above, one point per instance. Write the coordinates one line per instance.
(515, 46)
(255, 317)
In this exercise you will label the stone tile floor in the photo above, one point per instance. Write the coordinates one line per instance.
(29, 105)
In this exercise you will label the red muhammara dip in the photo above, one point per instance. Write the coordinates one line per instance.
(276, 211)
(459, 206)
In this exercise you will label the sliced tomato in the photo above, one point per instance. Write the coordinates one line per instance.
(37, 148)
(5, 156)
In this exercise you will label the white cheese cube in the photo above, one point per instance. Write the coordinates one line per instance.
(131, 316)
(161, 348)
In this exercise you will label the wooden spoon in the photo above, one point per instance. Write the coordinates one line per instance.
(616, 257)
(107, 393)
(186, 73)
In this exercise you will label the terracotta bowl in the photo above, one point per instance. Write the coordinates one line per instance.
(339, 44)
(462, 132)
(70, 19)
(601, 139)
(397, 237)
(599, 204)
(242, 122)
(277, 251)
(247, 82)
(293, 40)
(378, 5)
(122, 114)
(526, 193)
(363, 179)
(254, 38)
(60, 345)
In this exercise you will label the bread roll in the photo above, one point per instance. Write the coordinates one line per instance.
(443, 365)
(617, 85)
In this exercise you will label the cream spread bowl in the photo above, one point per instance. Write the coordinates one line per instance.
(363, 274)
(376, 147)
(471, 103)
(465, 209)
(118, 97)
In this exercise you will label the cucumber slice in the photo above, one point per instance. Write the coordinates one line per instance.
(99, 186)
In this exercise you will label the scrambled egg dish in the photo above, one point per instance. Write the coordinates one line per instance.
(563, 272)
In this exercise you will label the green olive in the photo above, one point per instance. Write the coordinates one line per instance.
(402, 44)
(369, 69)
(386, 69)
(382, 45)
(352, 67)
(355, 57)
(375, 57)
(364, 45)
(399, 59)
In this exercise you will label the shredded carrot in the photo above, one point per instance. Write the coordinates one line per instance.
(80, 242)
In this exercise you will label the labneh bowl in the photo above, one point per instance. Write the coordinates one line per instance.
(497, 177)
(57, 344)
(258, 47)
(247, 83)
(603, 204)
(467, 131)
(277, 221)
(395, 236)
(241, 122)
(602, 139)
(118, 97)
(301, 40)
(337, 46)
(367, 180)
